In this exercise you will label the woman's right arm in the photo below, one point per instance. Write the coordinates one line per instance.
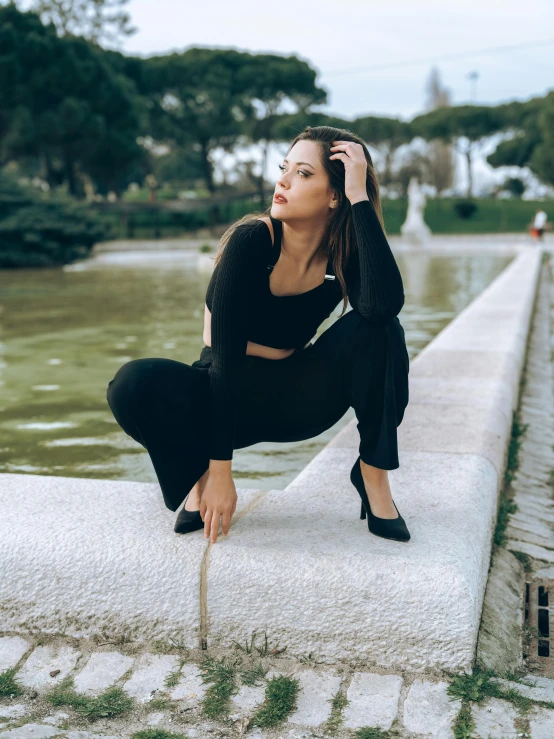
(229, 337)
(229, 289)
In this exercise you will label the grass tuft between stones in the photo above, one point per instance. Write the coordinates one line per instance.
(9, 685)
(251, 676)
(370, 732)
(221, 675)
(156, 734)
(172, 680)
(280, 700)
(335, 720)
(464, 725)
(477, 687)
(112, 702)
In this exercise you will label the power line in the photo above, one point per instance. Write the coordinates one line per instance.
(444, 57)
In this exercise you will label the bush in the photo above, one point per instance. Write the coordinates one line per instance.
(515, 185)
(44, 230)
(465, 208)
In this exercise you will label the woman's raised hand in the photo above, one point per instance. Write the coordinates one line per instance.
(219, 500)
(355, 169)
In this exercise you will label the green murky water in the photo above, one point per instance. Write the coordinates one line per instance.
(65, 332)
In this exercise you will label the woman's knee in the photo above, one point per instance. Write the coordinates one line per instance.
(128, 381)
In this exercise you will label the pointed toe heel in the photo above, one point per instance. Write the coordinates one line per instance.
(388, 528)
(188, 521)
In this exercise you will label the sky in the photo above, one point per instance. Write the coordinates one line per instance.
(372, 58)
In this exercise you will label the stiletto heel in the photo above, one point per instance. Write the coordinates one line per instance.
(388, 528)
(188, 521)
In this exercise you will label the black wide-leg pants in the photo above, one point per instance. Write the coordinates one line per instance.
(164, 404)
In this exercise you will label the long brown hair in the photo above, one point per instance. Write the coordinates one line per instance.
(340, 241)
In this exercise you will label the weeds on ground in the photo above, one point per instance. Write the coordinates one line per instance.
(251, 676)
(465, 725)
(263, 651)
(112, 702)
(156, 734)
(478, 687)
(475, 687)
(310, 659)
(173, 678)
(221, 675)
(507, 506)
(9, 685)
(280, 700)
(525, 560)
(370, 732)
(518, 430)
(161, 703)
(334, 722)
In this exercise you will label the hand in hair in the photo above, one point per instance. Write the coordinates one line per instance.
(355, 169)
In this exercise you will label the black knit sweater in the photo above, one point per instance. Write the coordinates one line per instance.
(244, 309)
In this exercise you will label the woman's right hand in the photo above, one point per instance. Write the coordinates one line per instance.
(219, 499)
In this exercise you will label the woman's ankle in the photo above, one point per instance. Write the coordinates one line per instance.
(374, 475)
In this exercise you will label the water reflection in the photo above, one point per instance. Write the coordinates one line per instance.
(65, 332)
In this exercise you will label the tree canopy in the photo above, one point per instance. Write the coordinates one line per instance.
(92, 119)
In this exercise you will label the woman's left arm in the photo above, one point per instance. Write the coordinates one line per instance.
(376, 290)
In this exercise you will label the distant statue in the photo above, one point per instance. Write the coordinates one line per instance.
(414, 227)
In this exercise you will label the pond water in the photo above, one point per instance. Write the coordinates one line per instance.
(66, 331)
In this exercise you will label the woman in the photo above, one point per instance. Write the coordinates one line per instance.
(277, 276)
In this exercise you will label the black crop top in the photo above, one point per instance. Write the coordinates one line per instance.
(244, 309)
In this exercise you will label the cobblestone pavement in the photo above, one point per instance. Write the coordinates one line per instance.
(167, 695)
(161, 694)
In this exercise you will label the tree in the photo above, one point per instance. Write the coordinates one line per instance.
(63, 103)
(96, 20)
(541, 160)
(529, 138)
(440, 169)
(416, 165)
(197, 99)
(386, 135)
(273, 80)
(465, 125)
(515, 185)
(437, 96)
(202, 99)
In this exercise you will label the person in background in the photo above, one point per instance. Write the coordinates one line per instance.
(539, 224)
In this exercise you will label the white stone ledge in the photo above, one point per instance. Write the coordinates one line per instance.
(82, 557)
(305, 568)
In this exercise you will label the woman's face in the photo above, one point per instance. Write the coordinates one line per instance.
(305, 185)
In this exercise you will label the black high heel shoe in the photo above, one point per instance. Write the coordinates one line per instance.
(388, 528)
(188, 521)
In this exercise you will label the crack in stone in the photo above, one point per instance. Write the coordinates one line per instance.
(205, 565)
